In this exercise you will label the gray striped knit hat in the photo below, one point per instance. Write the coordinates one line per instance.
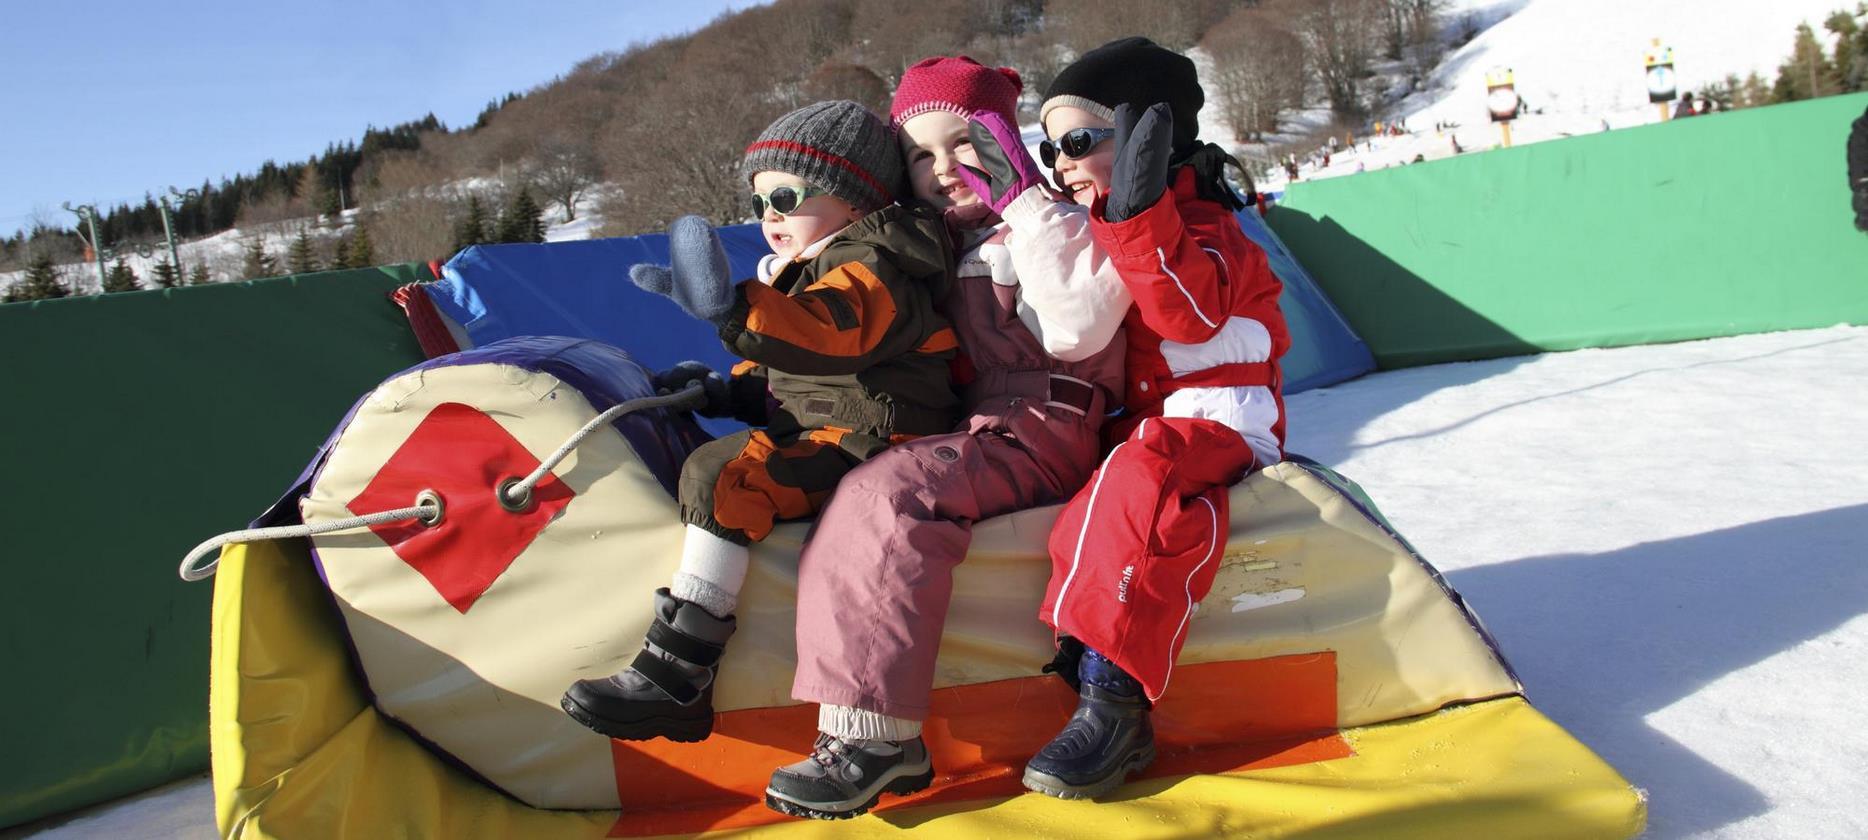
(839, 146)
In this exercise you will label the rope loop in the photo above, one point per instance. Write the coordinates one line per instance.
(513, 495)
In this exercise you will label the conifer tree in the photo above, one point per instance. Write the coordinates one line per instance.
(40, 283)
(300, 259)
(121, 278)
(166, 275)
(362, 251)
(521, 220)
(258, 263)
(329, 204)
(198, 276)
(340, 254)
(1808, 74)
(471, 230)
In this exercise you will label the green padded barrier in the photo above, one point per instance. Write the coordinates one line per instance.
(1718, 225)
(135, 426)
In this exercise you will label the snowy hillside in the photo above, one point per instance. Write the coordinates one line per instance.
(1578, 65)
(1580, 61)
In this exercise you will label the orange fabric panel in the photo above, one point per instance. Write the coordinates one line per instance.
(941, 341)
(809, 321)
(830, 435)
(1221, 716)
(747, 498)
(744, 365)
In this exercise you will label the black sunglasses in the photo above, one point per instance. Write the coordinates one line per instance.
(1075, 143)
(783, 199)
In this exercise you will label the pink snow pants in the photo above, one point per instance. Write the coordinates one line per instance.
(1139, 546)
(876, 576)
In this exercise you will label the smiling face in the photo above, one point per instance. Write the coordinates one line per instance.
(934, 144)
(819, 216)
(1087, 177)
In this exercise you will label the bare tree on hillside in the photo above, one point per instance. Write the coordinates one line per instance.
(896, 35)
(1411, 34)
(1401, 23)
(1175, 24)
(679, 152)
(834, 80)
(411, 208)
(564, 169)
(1259, 71)
(1341, 37)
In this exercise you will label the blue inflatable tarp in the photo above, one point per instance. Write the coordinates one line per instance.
(582, 289)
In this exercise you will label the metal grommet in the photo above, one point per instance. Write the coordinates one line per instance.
(437, 508)
(947, 453)
(520, 505)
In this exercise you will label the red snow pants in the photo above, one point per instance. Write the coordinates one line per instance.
(1137, 548)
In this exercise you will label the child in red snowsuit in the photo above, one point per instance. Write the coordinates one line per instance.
(1136, 550)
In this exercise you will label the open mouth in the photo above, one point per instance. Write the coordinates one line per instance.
(779, 240)
(1081, 192)
(953, 188)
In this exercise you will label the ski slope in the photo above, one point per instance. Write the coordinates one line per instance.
(1578, 65)
(1669, 542)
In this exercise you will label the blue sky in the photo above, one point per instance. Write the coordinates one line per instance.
(110, 99)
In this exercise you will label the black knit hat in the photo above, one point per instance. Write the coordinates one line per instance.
(840, 146)
(1136, 71)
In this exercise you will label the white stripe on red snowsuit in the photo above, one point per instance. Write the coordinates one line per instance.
(875, 579)
(1137, 548)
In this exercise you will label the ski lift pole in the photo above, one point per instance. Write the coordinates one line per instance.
(168, 229)
(87, 214)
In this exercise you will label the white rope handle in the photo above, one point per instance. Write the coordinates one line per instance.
(516, 496)
(428, 510)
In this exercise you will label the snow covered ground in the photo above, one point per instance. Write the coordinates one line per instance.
(1670, 543)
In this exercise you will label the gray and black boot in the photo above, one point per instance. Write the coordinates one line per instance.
(844, 778)
(1107, 738)
(668, 690)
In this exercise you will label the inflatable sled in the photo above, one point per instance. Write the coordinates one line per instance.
(403, 679)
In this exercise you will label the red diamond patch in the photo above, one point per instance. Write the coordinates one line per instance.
(463, 456)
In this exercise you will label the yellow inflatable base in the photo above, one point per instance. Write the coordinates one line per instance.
(298, 752)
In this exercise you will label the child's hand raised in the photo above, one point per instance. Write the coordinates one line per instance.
(698, 281)
(1144, 143)
(1008, 168)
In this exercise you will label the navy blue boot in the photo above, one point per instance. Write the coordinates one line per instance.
(1107, 738)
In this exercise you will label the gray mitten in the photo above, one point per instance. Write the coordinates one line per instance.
(697, 281)
(719, 401)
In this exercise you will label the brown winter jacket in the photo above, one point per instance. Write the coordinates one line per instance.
(853, 338)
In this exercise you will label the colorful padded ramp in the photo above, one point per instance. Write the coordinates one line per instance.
(1331, 683)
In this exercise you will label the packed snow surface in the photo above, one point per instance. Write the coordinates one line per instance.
(1669, 542)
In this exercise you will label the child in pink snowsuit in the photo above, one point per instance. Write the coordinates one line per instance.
(1037, 309)
(1137, 549)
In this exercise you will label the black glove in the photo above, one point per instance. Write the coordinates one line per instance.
(1144, 143)
(719, 401)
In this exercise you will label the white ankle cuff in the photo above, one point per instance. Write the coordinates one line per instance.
(847, 722)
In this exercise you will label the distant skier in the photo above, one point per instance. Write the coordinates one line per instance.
(1858, 170)
(1684, 108)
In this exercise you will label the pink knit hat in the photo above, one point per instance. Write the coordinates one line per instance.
(958, 84)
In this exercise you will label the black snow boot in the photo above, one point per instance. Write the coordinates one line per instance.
(668, 690)
(1108, 737)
